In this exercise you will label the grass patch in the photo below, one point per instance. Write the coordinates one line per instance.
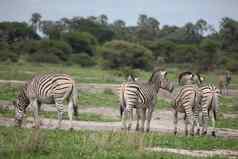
(8, 92)
(32, 143)
(228, 104)
(25, 71)
(227, 123)
(53, 115)
(99, 99)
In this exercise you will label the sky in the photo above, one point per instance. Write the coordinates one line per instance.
(170, 12)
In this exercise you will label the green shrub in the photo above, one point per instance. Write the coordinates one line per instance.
(44, 57)
(81, 42)
(82, 59)
(8, 55)
(119, 54)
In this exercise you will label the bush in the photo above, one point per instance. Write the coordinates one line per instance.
(81, 42)
(45, 57)
(232, 65)
(119, 54)
(8, 55)
(82, 59)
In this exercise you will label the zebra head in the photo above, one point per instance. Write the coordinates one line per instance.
(198, 79)
(20, 108)
(159, 78)
(185, 78)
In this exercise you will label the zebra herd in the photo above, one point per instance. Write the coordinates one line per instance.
(194, 98)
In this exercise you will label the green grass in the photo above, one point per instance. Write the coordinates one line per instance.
(41, 144)
(16, 71)
(98, 99)
(53, 115)
(8, 92)
(227, 123)
(228, 104)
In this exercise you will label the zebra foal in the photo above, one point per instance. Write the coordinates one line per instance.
(143, 96)
(48, 88)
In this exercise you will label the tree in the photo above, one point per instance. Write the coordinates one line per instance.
(201, 26)
(148, 27)
(229, 34)
(35, 21)
(102, 19)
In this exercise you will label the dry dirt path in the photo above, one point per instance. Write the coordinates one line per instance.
(198, 153)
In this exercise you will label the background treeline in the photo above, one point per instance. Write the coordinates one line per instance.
(90, 41)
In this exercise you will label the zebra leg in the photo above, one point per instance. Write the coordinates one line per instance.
(186, 122)
(60, 110)
(35, 107)
(138, 119)
(70, 113)
(123, 120)
(149, 116)
(143, 116)
(205, 120)
(130, 113)
(196, 121)
(175, 121)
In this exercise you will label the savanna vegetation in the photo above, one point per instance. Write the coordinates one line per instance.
(93, 41)
(38, 143)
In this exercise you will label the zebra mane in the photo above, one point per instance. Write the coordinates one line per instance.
(199, 77)
(183, 74)
(131, 78)
(154, 74)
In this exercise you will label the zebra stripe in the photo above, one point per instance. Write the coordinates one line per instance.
(48, 88)
(209, 105)
(143, 96)
(186, 102)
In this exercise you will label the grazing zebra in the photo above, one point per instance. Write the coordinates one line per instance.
(143, 96)
(209, 103)
(223, 82)
(48, 88)
(186, 101)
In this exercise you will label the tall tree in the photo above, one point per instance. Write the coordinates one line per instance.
(35, 21)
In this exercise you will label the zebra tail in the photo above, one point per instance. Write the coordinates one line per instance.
(75, 100)
(122, 101)
(215, 105)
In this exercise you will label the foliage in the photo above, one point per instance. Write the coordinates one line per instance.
(82, 59)
(119, 54)
(81, 42)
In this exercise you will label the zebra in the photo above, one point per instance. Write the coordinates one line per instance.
(143, 96)
(186, 101)
(49, 88)
(224, 81)
(209, 103)
(122, 88)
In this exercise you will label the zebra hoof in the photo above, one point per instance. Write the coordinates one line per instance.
(186, 133)
(198, 132)
(213, 133)
(71, 129)
(175, 132)
(147, 130)
(204, 133)
(137, 128)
